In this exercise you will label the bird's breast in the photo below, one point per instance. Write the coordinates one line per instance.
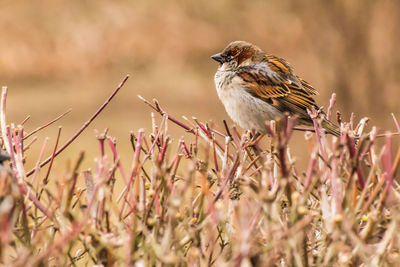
(246, 110)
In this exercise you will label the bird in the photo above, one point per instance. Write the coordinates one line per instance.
(256, 87)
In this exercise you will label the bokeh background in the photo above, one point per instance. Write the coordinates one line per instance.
(56, 55)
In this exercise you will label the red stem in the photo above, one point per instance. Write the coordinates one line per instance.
(84, 126)
(47, 124)
(134, 168)
(52, 157)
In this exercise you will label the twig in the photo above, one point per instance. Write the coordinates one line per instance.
(396, 122)
(159, 110)
(84, 126)
(47, 124)
(310, 169)
(35, 174)
(3, 119)
(314, 115)
(227, 129)
(45, 180)
(8, 144)
(26, 147)
(387, 161)
(355, 156)
(25, 120)
(135, 165)
(331, 104)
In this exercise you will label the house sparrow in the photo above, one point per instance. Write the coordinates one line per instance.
(255, 87)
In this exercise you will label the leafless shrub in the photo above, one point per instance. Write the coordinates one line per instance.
(215, 198)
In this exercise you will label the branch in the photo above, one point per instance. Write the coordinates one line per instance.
(84, 126)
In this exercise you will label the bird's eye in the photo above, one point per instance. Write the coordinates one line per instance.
(228, 58)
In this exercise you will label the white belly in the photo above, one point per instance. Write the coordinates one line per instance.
(247, 111)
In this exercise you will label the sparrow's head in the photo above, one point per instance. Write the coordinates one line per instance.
(238, 53)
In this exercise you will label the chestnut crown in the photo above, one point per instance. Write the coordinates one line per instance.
(240, 51)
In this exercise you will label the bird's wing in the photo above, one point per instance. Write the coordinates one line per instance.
(282, 67)
(281, 89)
(261, 85)
(308, 87)
(278, 65)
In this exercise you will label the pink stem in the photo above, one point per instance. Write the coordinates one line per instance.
(396, 123)
(313, 115)
(331, 104)
(84, 126)
(134, 168)
(310, 170)
(52, 156)
(387, 161)
(47, 124)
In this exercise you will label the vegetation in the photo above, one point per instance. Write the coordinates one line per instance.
(216, 197)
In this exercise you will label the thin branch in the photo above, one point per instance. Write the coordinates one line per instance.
(84, 126)
(25, 120)
(3, 119)
(45, 180)
(162, 112)
(47, 124)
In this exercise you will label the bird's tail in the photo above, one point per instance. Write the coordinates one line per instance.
(330, 127)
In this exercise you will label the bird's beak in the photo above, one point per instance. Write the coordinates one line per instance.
(218, 58)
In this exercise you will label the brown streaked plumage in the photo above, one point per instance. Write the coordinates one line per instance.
(255, 87)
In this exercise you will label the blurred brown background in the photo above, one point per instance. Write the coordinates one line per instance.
(60, 54)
